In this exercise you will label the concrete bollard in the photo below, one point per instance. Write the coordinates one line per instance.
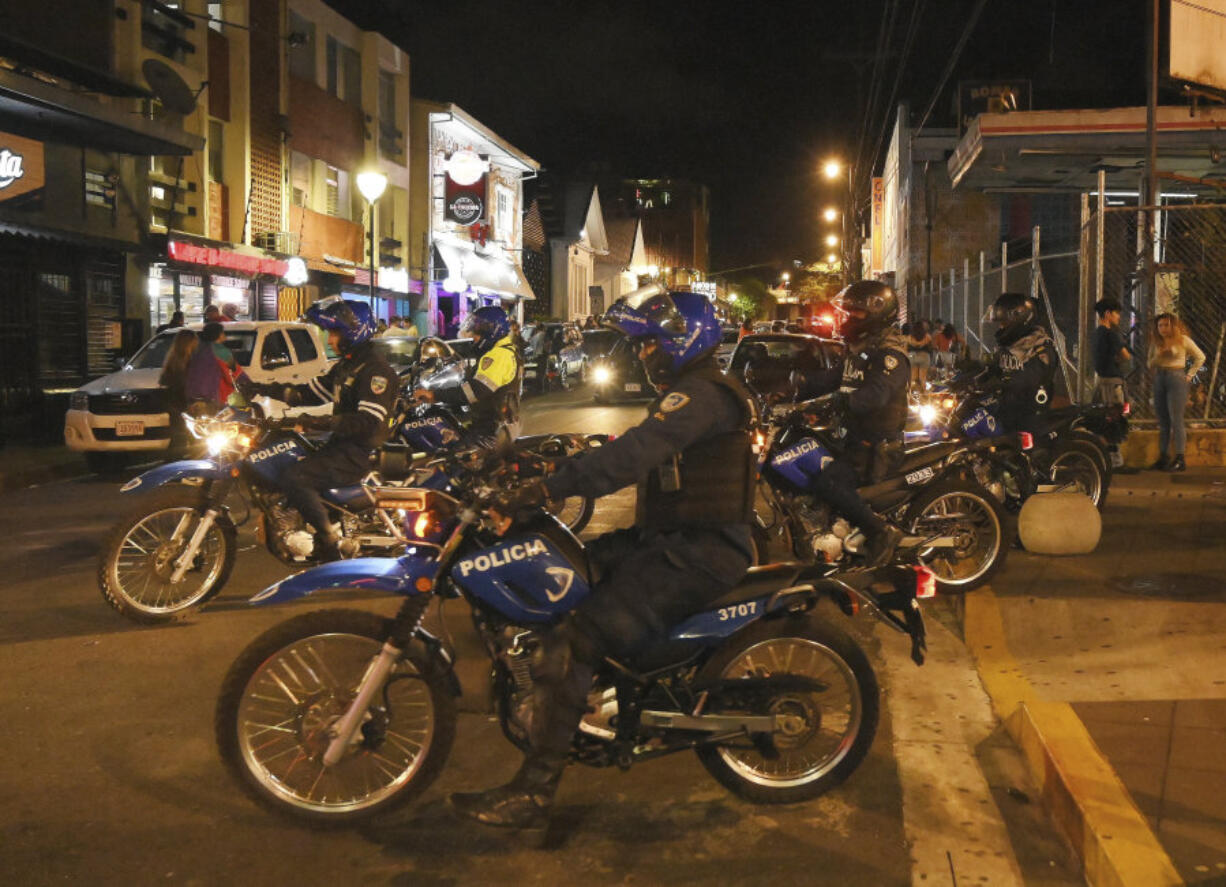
(1059, 523)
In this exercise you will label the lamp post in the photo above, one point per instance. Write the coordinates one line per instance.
(832, 169)
(372, 184)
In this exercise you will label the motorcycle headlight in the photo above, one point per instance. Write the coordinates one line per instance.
(928, 414)
(230, 437)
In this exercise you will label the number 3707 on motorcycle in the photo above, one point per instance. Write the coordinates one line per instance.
(738, 610)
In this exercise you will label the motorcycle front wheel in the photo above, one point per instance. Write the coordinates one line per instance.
(976, 522)
(575, 512)
(139, 554)
(284, 693)
(826, 720)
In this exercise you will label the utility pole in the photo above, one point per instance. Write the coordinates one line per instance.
(1151, 155)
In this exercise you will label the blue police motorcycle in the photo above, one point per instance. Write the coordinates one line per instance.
(175, 546)
(952, 523)
(340, 715)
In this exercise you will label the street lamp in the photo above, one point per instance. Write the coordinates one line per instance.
(786, 276)
(832, 240)
(372, 183)
(830, 214)
(831, 169)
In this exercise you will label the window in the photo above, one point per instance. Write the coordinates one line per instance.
(275, 352)
(344, 72)
(216, 17)
(216, 151)
(304, 345)
(301, 47)
(337, 201)
(389, 135)
(300, 179)
(166, 31)
(504, 214)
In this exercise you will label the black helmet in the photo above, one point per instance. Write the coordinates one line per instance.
(1013, 314)
(866, 307)
(433, 350)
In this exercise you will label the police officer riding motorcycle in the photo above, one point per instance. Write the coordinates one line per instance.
(362, 388)
(692, 461)
(1023, 369)
(491, 389)
(872, 402)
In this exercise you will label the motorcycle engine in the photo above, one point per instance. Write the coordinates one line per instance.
(825, 537)
(290, 531)
(515, 649)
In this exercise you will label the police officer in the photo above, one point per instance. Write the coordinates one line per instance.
(693, 464)
(873, 402)
(491, 390)
(362, 388)
(1023, 369)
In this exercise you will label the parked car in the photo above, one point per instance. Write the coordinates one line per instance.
(124, 413)
(727, 344)
(399, 351)
(560, 360)
(771, 357)
(619, 374)
(598, 343)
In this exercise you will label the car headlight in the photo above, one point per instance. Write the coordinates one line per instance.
(928, 414)
(602, 375)
(78, 400)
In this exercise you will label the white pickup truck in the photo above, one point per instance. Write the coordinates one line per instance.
(124, 413)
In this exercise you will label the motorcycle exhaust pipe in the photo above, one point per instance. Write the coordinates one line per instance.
(675, 720)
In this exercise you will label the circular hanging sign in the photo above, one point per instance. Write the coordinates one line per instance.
(466, 167)
(467, 208)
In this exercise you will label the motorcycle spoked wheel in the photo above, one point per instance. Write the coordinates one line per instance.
(575, 512)
(822, 736)
(1078, 465)
(978, 522)
(138, 555)
(284, 692)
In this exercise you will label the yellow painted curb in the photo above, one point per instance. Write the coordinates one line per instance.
(1081, 790)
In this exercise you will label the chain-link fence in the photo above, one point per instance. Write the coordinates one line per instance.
(1189, 281)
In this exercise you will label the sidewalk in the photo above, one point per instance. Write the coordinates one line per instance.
(1110, 671)
(22, 465)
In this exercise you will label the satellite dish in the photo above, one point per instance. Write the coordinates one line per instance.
(171, 91)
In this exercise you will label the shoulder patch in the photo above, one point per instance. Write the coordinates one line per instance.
(378, 384)
(891, 362)
(487, 362)
(673, 402)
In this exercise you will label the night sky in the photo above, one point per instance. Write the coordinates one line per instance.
(747, 98)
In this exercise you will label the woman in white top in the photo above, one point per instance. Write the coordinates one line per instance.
(1174, 358)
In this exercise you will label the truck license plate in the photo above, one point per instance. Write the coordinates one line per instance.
(129, 429)
(633, 386)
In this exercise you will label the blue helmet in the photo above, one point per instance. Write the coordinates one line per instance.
(490, 323)
(683, 326)
(353, 320)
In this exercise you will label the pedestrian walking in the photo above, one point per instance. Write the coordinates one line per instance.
(1174, 358)
(212, 370)
(174, 379)
(212, 314)
(746, 329)
(947, 344)
(1111, 355)
(229, 312)
(919, 351)
(176, 321)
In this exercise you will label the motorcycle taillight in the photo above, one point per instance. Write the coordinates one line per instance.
(925, 583)
(1127, 410)
(1026, 439)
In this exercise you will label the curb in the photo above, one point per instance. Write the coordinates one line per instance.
(1080, 789)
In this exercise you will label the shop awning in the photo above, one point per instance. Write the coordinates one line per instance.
(489, 273)
(42, 111)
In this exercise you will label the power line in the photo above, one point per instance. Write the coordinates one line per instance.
(917, 11)
(949, 68)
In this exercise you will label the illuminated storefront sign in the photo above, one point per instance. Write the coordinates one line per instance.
(704, 288)
(22, 168)
(221, 258)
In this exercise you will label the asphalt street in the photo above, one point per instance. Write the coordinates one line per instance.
(112, 777)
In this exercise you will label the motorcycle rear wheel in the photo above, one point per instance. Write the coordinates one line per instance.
(823, 737)
(138, 557)
(1079, 465)
(288, 688)
(978, 521)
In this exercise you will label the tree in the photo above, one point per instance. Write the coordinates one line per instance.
(752, 299)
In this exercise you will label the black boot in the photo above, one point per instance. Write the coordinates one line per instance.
(522, 804)
(1177, 464)
(1161, 464)
(880, 545)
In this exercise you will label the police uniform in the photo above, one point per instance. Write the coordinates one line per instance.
(361, 386)
(491, 393)
(1026, 374)
(874, 393)
(693, 464)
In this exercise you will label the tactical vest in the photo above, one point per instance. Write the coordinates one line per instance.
(711, 482)
(502, 407)
(890, 419)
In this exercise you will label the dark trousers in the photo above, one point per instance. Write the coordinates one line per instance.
(336, 464)
(836, 485)
(649, 582)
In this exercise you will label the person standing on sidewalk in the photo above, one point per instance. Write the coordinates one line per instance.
(1171, 350)
(1111, 355)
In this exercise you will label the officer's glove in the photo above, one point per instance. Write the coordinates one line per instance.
(530, 495)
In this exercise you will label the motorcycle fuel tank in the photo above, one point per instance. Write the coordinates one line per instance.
(527, 577)
(799, 463)
(276, 455)
(427, 433)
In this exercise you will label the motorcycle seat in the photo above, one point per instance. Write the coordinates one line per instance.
(759, 581)
(918, 457)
